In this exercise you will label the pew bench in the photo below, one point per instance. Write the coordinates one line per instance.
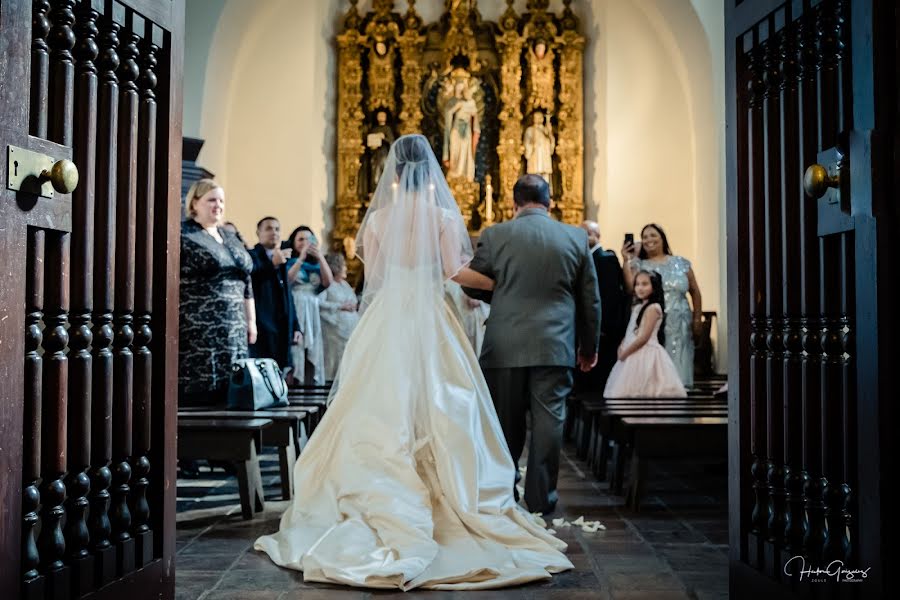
(234, 440)
(598, 416)
(669, 437)
(287, 433)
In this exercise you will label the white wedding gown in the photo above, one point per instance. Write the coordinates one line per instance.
(407, 481)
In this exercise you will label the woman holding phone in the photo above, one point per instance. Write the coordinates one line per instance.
(683, 320)
(309, 275)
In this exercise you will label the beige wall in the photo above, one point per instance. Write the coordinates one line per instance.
(654, 111)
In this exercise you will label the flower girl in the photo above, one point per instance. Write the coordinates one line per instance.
(644, 368)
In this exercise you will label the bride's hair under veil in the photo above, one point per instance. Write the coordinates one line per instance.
(413, 233)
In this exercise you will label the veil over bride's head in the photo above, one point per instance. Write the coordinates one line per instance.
(413, 233)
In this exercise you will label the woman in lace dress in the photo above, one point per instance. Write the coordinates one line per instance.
(682, 319)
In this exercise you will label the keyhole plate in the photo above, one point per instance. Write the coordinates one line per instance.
(24, 168)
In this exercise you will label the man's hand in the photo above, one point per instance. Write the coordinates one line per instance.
(279, 257)
(587, 363)
(298, 338)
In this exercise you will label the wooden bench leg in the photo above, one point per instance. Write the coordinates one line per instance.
(618, 468)
(638, 480)
(286, 459)
(250, 485)
(592, 441)
(582, 431)
(602, 457)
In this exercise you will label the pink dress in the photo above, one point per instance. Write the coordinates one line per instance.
(647, 373)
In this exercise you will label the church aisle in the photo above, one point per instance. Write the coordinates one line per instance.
(675, 548)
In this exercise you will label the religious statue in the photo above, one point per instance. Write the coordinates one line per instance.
(379, 141)
(462, 129)
(382, 79)
(539, 145)
(541, 74)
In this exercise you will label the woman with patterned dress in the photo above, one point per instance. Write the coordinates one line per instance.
(683, 320)
(216, 310)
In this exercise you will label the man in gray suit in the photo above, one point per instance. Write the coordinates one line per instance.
(545, 318)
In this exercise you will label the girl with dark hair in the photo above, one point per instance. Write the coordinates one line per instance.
(683, 322)
(644, 369)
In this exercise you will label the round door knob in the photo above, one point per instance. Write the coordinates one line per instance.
(63, 176)
(817, 181)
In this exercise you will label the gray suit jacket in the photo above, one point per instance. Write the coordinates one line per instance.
(545, 300)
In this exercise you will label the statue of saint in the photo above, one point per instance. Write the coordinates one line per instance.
(539, 146)
(541, 75)
(379, 141)
(461, 132)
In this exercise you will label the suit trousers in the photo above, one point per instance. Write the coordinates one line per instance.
(543, 392)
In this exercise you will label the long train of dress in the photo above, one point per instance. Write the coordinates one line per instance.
(407, 481)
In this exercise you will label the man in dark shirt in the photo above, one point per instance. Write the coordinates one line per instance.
(615, 314)
(276, 319)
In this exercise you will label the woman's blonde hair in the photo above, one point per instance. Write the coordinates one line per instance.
(197, 190)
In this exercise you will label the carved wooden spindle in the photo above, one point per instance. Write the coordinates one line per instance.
(123, 318)
(792, 306)
(832, 113)
(103, 282)
(759, 460)
(40, 68)
(143, 366)
(33, 582)
(62, 72)
(775, 83)
(808, 34)
(80, 364)
(759, 464)
(53, 435)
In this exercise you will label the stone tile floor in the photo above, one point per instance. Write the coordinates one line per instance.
(674, 548)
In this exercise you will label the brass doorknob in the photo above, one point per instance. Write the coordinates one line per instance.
(63, 176)
(817, 181)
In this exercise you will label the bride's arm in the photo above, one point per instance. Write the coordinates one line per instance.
(466, 277)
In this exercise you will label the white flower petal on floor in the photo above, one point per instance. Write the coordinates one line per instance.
(586, 526)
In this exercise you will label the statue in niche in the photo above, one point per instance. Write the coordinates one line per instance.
(539, 145)
(378, 141)
(462, 127)
(541, 71)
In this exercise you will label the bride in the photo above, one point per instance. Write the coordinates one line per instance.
(407, 480)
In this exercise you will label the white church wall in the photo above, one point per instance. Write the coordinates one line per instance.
(654, 116)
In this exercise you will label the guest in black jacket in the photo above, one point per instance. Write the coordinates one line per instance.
(614, 316)
(275, 317)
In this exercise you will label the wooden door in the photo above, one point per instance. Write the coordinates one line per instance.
(89, 297)
(810, 326)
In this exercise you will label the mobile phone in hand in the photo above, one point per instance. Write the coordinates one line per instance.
(629, 238)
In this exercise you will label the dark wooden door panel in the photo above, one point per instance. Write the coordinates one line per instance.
(805, 448)
(88, 329)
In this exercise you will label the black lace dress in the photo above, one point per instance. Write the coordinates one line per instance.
(215, 281)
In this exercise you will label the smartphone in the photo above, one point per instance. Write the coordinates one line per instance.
(629, 238)
(312, 260)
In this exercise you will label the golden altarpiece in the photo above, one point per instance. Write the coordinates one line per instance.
(495, 100)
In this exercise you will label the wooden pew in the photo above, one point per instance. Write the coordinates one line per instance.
(235, 440)
(669, 437)
(287, 433)
(598, 419)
